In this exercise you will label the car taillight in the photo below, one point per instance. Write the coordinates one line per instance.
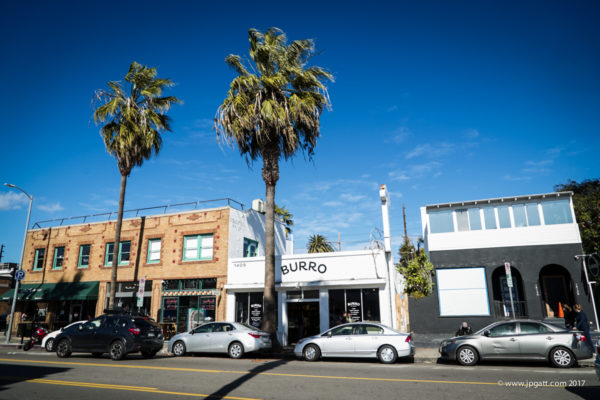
(579, 337)
(254, 335)
(408, 339)
(135, 331)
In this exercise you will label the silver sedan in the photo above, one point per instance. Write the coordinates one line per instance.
(359, 339)
(518, 339)
(232, 338)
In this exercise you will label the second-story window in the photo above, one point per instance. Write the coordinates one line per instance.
(84, 256)
(250, 248)
(441, 221)
(198, 247)
(38, 261)
(124, 250)
(153, 251)
(59, 257)
(557, 212)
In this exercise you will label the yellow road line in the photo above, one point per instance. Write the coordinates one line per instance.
(216, 371)
(121, 387)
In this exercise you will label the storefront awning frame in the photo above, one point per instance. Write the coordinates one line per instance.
(55, 291)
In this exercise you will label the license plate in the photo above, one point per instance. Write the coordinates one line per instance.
(150, 334)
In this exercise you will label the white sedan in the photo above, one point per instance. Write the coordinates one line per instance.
(233, 338)
(358, 339)
(48, 340)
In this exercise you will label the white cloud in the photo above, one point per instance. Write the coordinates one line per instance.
(416, 171)
(353, 198)
(471, 133)
(13, 201)
(399, 135)
(431, 150)
(333, 204)
(516, 178)
(54, 207)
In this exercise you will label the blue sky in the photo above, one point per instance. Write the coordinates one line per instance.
(442, 101)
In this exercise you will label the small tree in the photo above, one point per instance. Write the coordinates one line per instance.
(286, 217)
(417, 270)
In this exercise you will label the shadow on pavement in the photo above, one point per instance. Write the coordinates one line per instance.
(14, 373)
(225, 390)
(585, 392)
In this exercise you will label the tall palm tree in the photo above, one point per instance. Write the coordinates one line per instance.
(319, 244)
(270, 113)
(286, 217)
(135, 116)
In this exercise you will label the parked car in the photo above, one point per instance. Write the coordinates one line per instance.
(48, 340)
(233, 338)
(116, 333)
(597, 360)
(518, 339)
(358, 339)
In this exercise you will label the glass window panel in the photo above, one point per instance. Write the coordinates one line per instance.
(474, 219)
(110, 247)
(294, 294)
(489, 215)
(533, 215)
(154, 250)
(311, 294)
(519, 215)
(59, 254)
(504, 217)
(39, 259)
(370, 299)
(557, 212)
(462, 220)
(190, 284)
(504, 330)
(84, 255)
(125, 248)
(336, 307)
(242, 308)
(354, 305)
(207, 247)
(441, 221)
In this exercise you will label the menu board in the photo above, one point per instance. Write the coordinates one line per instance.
(354, 311)
(171, 304)
(256, 314)
(207, 303)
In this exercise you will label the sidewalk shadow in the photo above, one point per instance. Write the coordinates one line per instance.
(225, 390)
(15, 373)
(585, 392)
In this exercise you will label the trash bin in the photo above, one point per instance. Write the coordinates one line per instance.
(25, 329)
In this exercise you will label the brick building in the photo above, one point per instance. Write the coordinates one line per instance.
(180, 258)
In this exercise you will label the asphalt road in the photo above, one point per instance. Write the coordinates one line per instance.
(37, 375)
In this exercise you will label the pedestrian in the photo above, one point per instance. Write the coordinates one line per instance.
(464, 330)
(569, 316)
(582, 324)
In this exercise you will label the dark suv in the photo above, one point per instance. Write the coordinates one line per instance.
(116, 333)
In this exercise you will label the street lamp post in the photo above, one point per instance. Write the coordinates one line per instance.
(17, 284)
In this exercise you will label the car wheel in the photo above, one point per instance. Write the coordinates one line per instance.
(561, 357)
(311, 352)
(96, 355)
(179, 349)
(49, 344)
(236, 350)
(63, 349)
(387, 354)
(467, 355)
(149, 354)
(117, 350)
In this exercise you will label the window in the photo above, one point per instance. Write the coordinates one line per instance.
(198, 247)
(529, 328)
(343, 330)
(533, 215)
(504, 330)
(372, 330)
(504, 217)
(441, 221)
(474, 219)
(153, 251)
(489, 216)
(124, 250)
(38, 261)
(519, 215)
(250, 248)
(557, 212)
(84, 256)
(462, 220)
(462, 291)
(59, 257)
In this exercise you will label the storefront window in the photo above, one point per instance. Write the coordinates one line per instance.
(370, 299)
(352, 305)
(249, 308)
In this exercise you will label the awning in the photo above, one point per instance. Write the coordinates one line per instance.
(55, 291)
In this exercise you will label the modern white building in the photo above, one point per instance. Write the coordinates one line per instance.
(314, 291)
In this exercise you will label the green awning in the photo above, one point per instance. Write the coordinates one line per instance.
(55, 291)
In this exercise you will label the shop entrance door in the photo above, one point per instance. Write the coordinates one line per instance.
(303, 320)
(75, 312)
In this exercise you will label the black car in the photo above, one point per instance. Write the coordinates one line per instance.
(115, 333)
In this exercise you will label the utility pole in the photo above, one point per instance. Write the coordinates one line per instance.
(1, 252)
(404, 219)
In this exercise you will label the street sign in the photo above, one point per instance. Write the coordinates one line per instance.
(509, 281)
(19, 275)
(507, 268)
(140, 293)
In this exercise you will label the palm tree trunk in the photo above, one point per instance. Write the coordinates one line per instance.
(270, 174)
(115, 260)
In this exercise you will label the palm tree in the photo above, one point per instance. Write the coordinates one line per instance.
(319, 244)
(135, 116)
(286, 217)
(270, 113)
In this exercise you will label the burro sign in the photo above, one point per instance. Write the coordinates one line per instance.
(298, 266)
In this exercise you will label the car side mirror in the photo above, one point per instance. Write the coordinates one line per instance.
(191, 332)
(329, 334)
(486, 333)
